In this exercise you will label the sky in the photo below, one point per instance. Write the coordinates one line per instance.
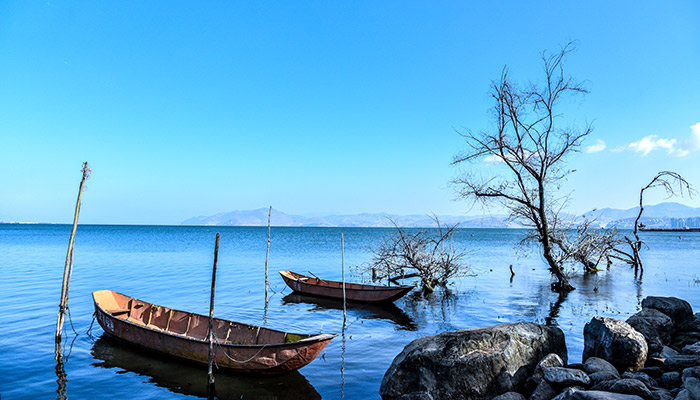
(185, 109)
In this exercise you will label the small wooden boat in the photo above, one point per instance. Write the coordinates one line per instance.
(353, 291)
(239, 347)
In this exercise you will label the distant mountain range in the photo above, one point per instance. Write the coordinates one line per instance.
(662, 215)
(659, 215)
(259, 218)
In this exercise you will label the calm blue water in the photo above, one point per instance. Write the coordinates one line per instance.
(171, 266)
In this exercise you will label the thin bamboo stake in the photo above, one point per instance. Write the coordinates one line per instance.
(342, 249)
(68, 269)
(211, 313)
(267, 254)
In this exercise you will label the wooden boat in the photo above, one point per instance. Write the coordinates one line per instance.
(238, 347)
(353, 291)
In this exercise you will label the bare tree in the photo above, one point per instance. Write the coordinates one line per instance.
(429, 254)
(528, 146)
(675, 185)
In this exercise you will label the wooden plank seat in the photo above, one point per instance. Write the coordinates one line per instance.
(118, 311)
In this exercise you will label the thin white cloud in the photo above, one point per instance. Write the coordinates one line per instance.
(598, 146)
(493, 158)
(693, 143)
(652, 142)
(672, 147)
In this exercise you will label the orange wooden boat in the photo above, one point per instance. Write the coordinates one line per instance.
(238, 347)
(353, 291)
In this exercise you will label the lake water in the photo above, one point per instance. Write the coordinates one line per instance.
(171, 266)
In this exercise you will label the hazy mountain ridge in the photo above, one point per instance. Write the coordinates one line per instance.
(658, 215)
(378, 220)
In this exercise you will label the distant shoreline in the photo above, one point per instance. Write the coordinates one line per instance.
(669, 229)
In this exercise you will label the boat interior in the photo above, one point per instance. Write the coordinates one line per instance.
(186, 324)
(333, 284)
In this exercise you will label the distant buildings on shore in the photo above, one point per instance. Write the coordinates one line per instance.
(657, 223)
(682, 223)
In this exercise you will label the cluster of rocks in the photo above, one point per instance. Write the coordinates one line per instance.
(654, 355)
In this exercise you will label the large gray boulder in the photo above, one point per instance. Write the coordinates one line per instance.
(679, 310)
(654, 325)
(616, 342)
(470, 363)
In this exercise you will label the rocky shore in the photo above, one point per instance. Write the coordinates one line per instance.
(654, 355)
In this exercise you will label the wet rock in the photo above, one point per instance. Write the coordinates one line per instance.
(510, 396)
(648, 381)
(602, 376)
(596, 364)
(575, 366)
(471, 363)
(682, 339)
(599, 395)
(654, 372)
(679, 310)
(560, 376)
(667, 352)
(670, 380)
(550, 360)
(655, 326)
(543, 391)
(625, 386)
(691, 372)
(661, 394)
(614, 341)
(691, 382)
(693, 349)
(568, 393)
(683, 395)
(680, 362)
(692, 385)
(693, 325)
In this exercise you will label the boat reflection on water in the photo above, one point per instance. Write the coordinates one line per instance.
(388, 311)
(190, 379)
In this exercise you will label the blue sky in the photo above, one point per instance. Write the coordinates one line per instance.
(186, 109)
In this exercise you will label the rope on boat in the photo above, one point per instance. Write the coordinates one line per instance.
(89, 330)
(216, 339)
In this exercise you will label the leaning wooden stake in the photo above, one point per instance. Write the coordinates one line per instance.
(68, 269)
(267, 254)
(211, 313)
(342, 250)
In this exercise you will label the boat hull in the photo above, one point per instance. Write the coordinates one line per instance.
(353, 291)
(262, 358)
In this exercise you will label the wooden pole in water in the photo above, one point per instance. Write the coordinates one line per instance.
(342, 249)
(267, 254)
(68, 269)
(211, 313)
